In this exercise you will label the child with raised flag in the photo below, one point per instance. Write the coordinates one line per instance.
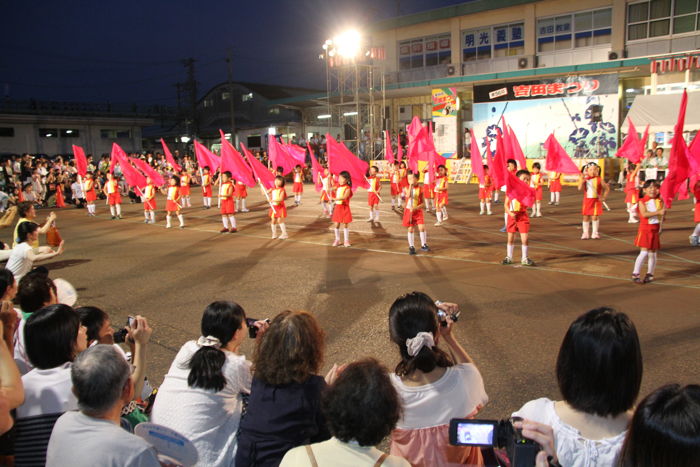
(537, 183)
(428, 189)
(341, 212)
(554, 188)
(632, 191)
(90, 193)
(595, 190)
(114, 198)
(278, 210)
(206, 188)
(172, 202)
(518, 222)
(651, 215)
(185, 180)
(413, 213)
(298, 187)
(373, 194)
(149, 202)
(326, 191)
(695, 236)
(485, 192)
(394, 185)
(512, 167)
(241, 195)
(441, 197)
(228, 208)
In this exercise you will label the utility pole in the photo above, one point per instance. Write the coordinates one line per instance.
(229, 61)
(191, 87)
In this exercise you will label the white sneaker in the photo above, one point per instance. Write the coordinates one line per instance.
(585, 237)
(595, 236)
(438, 224)
(283, 237)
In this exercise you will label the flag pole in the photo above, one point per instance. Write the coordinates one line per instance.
(267, 197)
(370, 184)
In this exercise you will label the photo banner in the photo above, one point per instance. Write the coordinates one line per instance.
(445, 102)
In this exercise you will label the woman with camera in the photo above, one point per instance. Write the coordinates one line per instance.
(202, 394)
(434, 386)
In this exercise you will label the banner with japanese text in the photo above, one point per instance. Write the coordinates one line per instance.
(445, 121)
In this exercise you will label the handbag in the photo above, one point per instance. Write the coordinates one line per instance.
(53, 237)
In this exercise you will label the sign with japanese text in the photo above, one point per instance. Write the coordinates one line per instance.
(568, 86)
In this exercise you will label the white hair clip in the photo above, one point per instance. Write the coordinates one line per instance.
(209, 341)
(422, 339)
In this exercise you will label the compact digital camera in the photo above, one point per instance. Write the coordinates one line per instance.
(252, 328)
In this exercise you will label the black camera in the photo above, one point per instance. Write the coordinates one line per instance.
(120, 336)
(252, 328)
(495, 434)
(442, 316)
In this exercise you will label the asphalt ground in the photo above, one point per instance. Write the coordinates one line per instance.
(513, 318)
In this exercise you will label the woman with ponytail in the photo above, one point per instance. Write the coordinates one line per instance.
(201, 396)
(433, 386)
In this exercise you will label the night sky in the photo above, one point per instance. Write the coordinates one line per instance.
(130, 51)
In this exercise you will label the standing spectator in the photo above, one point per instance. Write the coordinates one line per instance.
(599, 371)
(102, 385)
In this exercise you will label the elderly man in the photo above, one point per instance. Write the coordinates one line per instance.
(103, 385)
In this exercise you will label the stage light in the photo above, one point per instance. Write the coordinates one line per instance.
(323, 117)
(185, 139)
(349, 114)
(348, 43)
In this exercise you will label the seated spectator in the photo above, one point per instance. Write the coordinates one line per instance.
(92, 436)
(665, 429)
(202, 395)
(11, 389)
(23, 256)
(284, 410)
(35, 291)
(54, 337)
(599, 371)
(433, 387)
(361, 408)
(27, 213)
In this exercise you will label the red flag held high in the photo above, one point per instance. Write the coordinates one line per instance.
(316, 170)
(297, 153)
(399, 151)
(157, 178)
(116, 156)
(132, 177)
(631, 147)
(678, 163)
(512, 145)
(262, 175)
(557, 159)
(206, 158)
(232, 161)
(169, 157)
(694, 156)
(388, 153)
(499, 168)
(279, 157)
(517, 189)
(80, 160)
(340, 158)
(477, 163)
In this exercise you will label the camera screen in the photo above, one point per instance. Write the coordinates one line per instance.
(475, 433)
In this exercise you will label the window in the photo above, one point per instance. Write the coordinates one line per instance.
(425, 51)
(497, 41)
(254, 141)
(583, 29)
(115, 134)
(48, 132)
(225, 95)
(69, 133)
(207, 103)
(7, 132)
(247, 97)
(274, 111)
(658, 18)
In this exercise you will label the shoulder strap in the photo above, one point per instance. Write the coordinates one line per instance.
(381, 460)
(312, 458)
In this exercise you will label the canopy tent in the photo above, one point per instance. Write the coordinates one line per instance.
(660, 111)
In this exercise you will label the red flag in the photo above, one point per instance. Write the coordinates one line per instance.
(694, 156)
(132, 177)
(499, 168)
(340, 158)
(262, 175)
(157, 178)
(631, 147)
(517, 189)
(388, 153)
(169, 157)
(232, 161)
(206, 158)
(316, 170)
(279, 157)
(413, 128)
(116, 156)
(297, 153)
(643, 147)
(678, 163)
(477, 163)
(512, 145)
(80, 160)
(399, 150)
(557, 158)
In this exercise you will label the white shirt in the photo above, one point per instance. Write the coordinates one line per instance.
(21, 359)
(456, 394)
(573, 450)
(209, 419)
(77, 190)
(81, 441)
(339, 454)
(47, 392)
(19, 263)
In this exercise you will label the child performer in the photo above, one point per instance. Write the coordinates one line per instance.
(228, 208)
(512, 167)
(485, 190)
(90, 194)
(403, 177)
(341, 212)
(172, 202)
(413, 213)
(241, 193)
(651, 215)
(428, 189)
(595, 190)
(149, 202)
(441, 197)
(695, 237)
(536, 183)
(395, 191)
(373, 194)
(326, 191)
(206, 188)
(114, 198)
(185, 180)
(554, 188)
(298, 187)
(632, 191)
(278, 210)
(518, 221)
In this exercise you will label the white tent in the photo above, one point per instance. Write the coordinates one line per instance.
(660, 112)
